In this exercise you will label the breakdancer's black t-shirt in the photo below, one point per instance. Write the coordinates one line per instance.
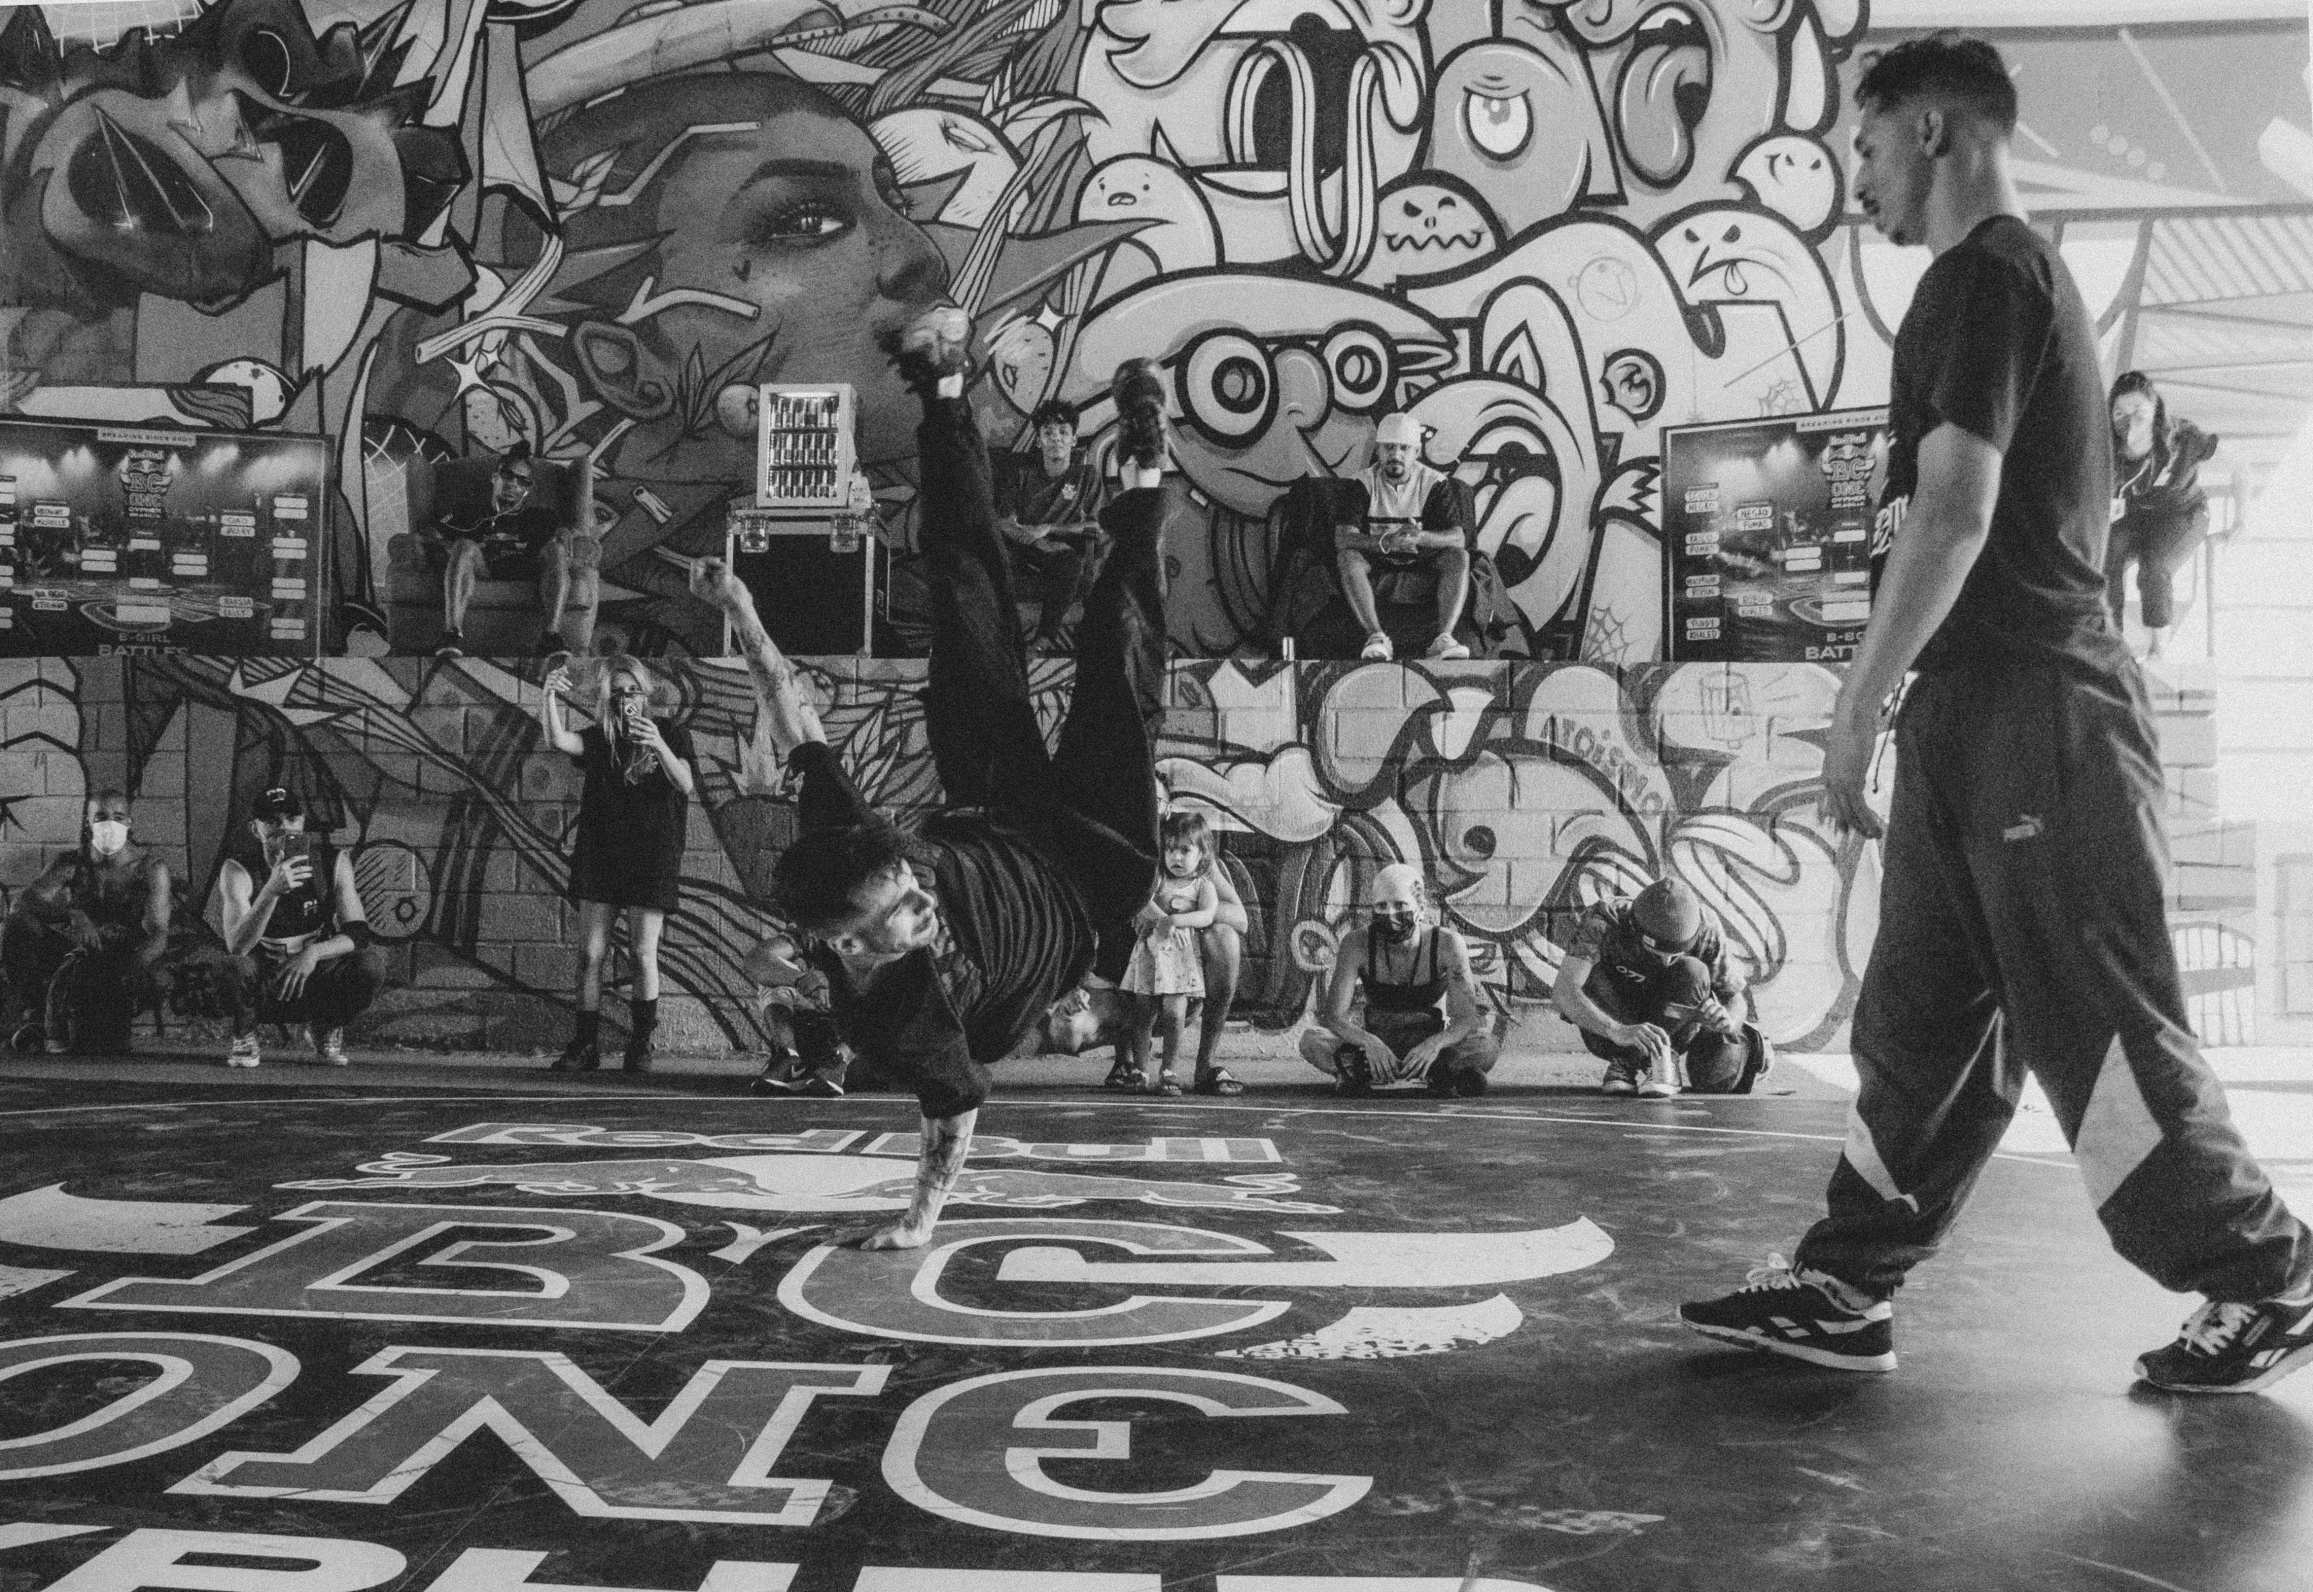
(1015, 937)
(1998, 343)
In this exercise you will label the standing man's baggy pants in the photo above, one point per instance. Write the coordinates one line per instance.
(1092, 806)
(2021, 929)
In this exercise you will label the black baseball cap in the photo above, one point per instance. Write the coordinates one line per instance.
(279, 802)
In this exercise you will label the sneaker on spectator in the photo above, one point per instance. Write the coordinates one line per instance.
(1808, 1315)
(328, 1045)
(453, 645)
(2233, 1348)
(1352, 1072)
(1377, 649)
(1658, 1084)
(1446, 649)
(244, 1052)
(1139, 394)
(932, 347)
(27, 1040)
(1621, 1078)
(824, 1083)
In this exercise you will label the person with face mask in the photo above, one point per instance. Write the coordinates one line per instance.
(1422, 1020)
(2160, 514)
(1048, 509)
(81, 950)
(1648, 982)
(632, 815)
(1412, 518)
(296, 934)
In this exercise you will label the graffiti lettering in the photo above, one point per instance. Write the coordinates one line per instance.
(712, 1447)
(939, 1457)
(583, 1269)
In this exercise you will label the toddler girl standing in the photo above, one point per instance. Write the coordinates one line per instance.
(1167, 971)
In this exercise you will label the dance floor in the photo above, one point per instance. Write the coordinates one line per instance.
(312, 1335)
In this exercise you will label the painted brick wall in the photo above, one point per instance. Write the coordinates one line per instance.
(1526, 791)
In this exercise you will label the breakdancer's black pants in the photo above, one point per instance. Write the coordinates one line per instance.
(2021, 930)
(1091, 805)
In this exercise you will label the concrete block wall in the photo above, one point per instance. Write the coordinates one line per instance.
(1525, 790)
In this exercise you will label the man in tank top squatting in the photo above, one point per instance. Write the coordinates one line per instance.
(1422, 1020)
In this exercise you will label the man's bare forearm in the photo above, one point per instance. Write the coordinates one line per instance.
(946, 1142)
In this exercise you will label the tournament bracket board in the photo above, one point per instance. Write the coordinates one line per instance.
(1768, 536)
(183, 541)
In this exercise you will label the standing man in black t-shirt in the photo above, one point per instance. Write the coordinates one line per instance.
(2021, 926)
(942, 950)
(1048, 508)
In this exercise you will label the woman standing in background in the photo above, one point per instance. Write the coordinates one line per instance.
(632, 815)
(2160, 515)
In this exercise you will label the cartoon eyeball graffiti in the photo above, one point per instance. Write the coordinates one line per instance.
(1520, 124)
(1429, 224)
(1227, 387)
(1795, 177)
(1633, 383)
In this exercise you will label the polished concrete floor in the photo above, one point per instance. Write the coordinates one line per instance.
(466, 1331)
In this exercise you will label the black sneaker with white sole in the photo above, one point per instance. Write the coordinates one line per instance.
(2233, 1348)
(1804, 1314)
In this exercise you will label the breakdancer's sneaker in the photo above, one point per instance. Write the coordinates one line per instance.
(1139, 392)
(1807, 1315)
(2233, 1348)
(932, 349)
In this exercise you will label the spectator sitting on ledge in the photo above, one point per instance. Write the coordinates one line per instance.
(1406, 967)
(1413, 518)
(1648, 982)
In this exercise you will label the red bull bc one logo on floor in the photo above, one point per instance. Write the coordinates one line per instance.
(491, 1272)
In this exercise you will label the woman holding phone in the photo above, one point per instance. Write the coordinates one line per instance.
(632, 816)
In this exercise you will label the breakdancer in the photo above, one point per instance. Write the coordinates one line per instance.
(2021, 924)
(943, 949)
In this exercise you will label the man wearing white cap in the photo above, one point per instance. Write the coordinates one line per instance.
(1413, 520)
(1421, 1021)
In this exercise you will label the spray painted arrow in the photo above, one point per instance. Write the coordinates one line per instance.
(1361, 1260)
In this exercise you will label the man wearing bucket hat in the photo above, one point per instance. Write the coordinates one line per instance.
(1412, 519)
(1648, 982)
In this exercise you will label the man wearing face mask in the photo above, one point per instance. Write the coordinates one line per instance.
(1648, 982)
(1048, 508)
(1422, 1020)
(82, 947)
(1413, 519)
(299, 941)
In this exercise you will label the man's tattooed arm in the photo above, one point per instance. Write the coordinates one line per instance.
(946, 1141)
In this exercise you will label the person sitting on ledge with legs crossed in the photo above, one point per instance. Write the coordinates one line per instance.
(1413, 519)
(298, 945)
(81, 950)
(1648, 982)
(1406, 967)
(944, 949)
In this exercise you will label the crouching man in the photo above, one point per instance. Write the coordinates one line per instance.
(296, 934)
(1421, 1020)
(1648, 982)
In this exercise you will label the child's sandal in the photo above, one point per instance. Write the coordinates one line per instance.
(1167, 1083)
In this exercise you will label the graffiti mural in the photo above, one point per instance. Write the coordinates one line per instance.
(432, 228)
(1525, 791)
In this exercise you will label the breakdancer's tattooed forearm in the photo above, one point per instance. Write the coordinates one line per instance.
(946, 1141)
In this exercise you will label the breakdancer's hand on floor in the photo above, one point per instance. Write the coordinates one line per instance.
(787, 715)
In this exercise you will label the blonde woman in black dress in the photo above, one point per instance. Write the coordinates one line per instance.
(628, 857)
